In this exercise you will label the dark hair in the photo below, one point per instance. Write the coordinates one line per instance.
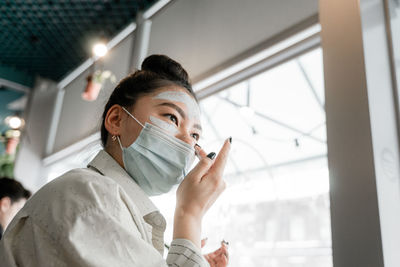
(13, 189)
(157, 71)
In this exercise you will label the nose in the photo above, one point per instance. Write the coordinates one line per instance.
(186, 137)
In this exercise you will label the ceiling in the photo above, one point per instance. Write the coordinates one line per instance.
(52, 37)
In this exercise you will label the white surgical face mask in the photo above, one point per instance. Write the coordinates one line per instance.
(157, 160)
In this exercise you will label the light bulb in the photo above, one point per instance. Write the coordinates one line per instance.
(100, 49)
(14, 122)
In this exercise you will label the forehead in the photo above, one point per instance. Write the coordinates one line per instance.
(179, 95)
(174, 93)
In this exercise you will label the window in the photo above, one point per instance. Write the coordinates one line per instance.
(394, 13)
(275, 210)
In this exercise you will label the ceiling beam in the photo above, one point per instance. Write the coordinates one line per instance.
(14, 86)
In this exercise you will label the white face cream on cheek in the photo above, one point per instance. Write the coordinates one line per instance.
(168, 127)
(193, 110)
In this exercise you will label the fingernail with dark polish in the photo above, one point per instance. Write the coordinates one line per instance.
(211, 155)
(197, 145)
(230, 139)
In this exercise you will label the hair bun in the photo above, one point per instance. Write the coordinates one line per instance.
(166, 67)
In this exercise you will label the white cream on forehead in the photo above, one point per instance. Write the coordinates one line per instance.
(193, 110)
(168, 127)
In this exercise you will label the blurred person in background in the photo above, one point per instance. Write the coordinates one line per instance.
(12, 198)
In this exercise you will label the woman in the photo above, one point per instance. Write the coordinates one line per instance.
(102, 215)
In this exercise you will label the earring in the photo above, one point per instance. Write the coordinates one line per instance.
(113, 137)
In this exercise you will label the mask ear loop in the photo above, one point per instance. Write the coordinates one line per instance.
(119, 142)
(133, 117)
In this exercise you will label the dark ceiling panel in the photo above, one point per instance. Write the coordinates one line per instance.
(52, 37)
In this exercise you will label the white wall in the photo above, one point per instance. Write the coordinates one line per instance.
(80, 118)
(203, 35)
(28, 163)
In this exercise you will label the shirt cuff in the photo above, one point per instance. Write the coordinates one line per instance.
(183, 252)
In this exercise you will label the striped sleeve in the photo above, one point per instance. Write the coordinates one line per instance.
(183, 253)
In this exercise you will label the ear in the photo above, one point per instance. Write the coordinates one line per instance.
(5, 204)
(113, 119)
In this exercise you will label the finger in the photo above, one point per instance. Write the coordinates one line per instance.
(220, 253)
(210, 261)
(223, 261)
(224, 249)
(203, 242)
(216, 253)
(222, 158)
(200, 153)
(201, 168)
(225, 252)
(224, 243)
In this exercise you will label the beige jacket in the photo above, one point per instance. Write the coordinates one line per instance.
(96, 216)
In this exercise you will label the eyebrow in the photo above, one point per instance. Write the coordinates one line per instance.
(172, 105)
(198, 126)
(181, 112)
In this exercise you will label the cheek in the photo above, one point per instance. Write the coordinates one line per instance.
(168, 127)
(192, 142)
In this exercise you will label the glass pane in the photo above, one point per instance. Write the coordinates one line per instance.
(275, 210)
(312, 64)
(394, 10)
(283, 94)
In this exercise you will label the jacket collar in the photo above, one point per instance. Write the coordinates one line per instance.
(107, 166)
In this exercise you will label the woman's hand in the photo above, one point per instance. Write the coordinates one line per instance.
(218, 258)
(198, 191)
(204, 183)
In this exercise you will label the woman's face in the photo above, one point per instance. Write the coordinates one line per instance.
(171, 108)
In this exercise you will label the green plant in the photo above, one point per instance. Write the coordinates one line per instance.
(7, 165)
(100, 76)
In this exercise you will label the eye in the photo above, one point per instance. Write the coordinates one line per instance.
(172, 118)
(195, 136)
